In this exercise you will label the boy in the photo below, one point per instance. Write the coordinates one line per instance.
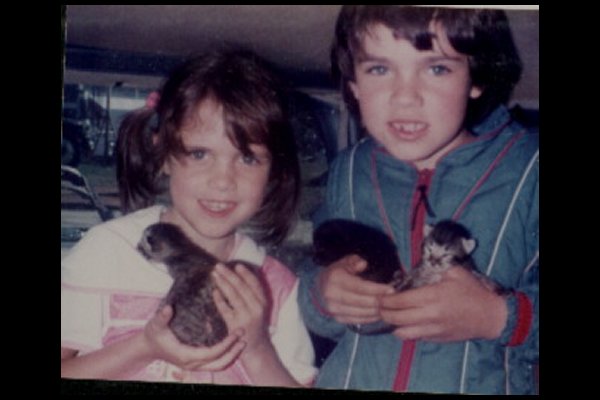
(428, 85)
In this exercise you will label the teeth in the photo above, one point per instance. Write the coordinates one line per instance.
(408, 126)
(216, 205)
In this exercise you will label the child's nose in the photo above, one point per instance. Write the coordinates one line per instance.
(222, 177)
(406, 91)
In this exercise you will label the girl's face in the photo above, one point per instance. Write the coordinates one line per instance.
(413, 102)
(214, 187)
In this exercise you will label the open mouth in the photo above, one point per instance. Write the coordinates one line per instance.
(217, 208)
(407, 130)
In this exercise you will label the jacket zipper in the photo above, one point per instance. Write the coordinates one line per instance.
(420, 206)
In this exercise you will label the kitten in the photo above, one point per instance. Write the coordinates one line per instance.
(337, 238)
(196, 320)
(446, 244)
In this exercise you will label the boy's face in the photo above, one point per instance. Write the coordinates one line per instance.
(413, 102)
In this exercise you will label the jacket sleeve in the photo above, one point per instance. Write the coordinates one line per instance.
(312, 307)
(311, 303)
(522, 327)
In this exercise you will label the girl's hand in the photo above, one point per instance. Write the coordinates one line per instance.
(163, 344)
(242, 302)
(459, 307)
(349, 298)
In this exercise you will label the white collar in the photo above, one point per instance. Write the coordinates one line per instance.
(246, 249)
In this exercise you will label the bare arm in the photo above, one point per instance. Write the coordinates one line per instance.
(107, 363)
(156, 341)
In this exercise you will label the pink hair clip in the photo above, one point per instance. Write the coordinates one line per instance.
(152, 99)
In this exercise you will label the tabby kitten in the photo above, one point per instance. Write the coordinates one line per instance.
(196, 320)
(446, 244)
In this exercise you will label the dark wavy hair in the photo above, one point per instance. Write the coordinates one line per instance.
(481, 34)
(253, 100)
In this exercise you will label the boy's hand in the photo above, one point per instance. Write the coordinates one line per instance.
(163, 344)
(349, 298)
(457, 308)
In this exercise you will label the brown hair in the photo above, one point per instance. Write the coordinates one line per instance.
(253, 107)
(481, 34)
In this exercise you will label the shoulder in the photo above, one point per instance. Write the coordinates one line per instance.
(347, 163)
(500, 125)
(278, 275)
(280, 282)
(130, 227)
(358, 151)
(106, 250)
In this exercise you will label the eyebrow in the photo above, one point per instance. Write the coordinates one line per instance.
(369, 58)
(365, 57)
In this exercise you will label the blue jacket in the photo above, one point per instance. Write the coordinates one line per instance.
(489, 185)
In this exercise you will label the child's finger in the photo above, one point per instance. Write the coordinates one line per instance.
(217, 356)
(162, 317)
(357, 320)
(223, 306)
(226, 359)
(344, 311)
(349, 297)
(228, 286)
(252, 281)
(415, 332)
(412, 298)
(362, 287)
(354, 264)
(238, 283)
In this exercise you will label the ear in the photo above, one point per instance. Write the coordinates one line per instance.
(427, 230)
(166, 167)
(353, 88)
(475, 92)
(468, 245)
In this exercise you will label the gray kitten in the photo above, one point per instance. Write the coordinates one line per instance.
(446, 244)
(196, 320)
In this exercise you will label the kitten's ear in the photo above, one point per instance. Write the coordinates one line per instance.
(468, 245)
(427, 230)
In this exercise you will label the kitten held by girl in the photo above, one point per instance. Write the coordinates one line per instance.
(218, 141)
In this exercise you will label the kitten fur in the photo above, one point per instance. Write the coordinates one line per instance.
(196, 320)
(337, 238)
(446, 244)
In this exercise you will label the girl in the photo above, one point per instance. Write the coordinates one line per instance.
(217, 137)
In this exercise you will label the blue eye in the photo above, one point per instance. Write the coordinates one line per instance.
(439, 70)
(197, 154)
(250, 159)
(377, 70)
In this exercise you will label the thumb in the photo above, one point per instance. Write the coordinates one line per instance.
(164, 315)
(355, 264)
